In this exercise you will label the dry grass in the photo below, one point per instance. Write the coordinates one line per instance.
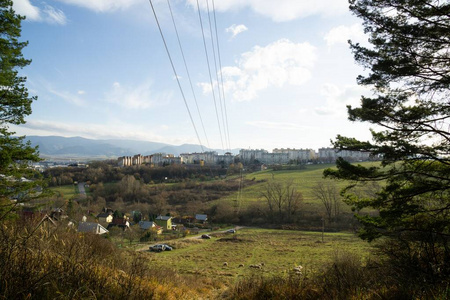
(277, 251)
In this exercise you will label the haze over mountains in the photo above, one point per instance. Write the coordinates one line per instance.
(71, 147)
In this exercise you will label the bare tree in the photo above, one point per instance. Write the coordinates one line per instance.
(282, 199)
(293, 200)
(328, 194)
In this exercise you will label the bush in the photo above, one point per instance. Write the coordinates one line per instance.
(44, 263)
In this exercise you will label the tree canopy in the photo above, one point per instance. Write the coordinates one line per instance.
(409, 72)
(17, 180)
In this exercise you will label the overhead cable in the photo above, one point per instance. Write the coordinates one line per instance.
(217, 71)
(210, 76)
(176, 75)
(188, 74)
(221, 78)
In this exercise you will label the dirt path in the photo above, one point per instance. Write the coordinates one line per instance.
(199, 236)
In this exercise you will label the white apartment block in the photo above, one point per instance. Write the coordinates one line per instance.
(208, 158)
(226, 159)
(250, 156)
(154, 159)
(135, 160)
(246, 156)
(301, 155)
(331, 154)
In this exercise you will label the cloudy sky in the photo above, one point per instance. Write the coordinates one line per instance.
(282, 80)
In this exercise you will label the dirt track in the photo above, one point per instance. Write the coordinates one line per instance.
(199, 236)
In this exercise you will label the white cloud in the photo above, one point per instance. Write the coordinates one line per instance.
(276, 125)
(25, 8)
(135, 97)
(283, 10)
(95, 131)
(102, 5)
(276, 65)
(47, 14)
(54, 16)
(338, 98)
(67, 96)
(114, 129)
(236, 29)
(341, 34)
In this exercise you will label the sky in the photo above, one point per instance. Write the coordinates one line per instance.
(262, 74)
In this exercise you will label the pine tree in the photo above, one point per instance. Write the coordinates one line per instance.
(18, 182)
(409, 63)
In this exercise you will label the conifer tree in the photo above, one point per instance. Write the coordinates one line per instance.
(18, 182)
(409, 72)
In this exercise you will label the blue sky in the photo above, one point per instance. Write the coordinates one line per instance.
(100, 70)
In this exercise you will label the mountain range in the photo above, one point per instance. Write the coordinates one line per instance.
(78, 147)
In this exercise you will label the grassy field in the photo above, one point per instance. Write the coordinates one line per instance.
(67, 191)
(277, 250)
(304, 180)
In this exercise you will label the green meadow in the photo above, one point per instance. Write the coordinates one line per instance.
(304, 180)
(65, 191)
(228, 257)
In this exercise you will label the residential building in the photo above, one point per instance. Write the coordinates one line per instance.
(92, 227)
(200, 218)
(330, 155)
(105, 217)
(164, 221)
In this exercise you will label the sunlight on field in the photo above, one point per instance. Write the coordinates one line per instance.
(276, 251)
(304, 180)
(67, 191)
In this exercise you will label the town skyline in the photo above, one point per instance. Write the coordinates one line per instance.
(59, 146)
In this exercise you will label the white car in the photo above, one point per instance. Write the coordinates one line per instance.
(157, 248)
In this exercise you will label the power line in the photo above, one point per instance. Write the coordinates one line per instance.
(209, 71)
(221, 77)
(217, 72)
(176, 75)
(188, 74)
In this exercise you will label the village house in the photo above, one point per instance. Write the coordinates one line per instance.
(92, 227)
(119, 222)
(146, 225)
(164, 221)
(199, 218)
(105, 217)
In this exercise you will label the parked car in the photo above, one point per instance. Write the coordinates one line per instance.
(231, 231)
(167, 247)
(157, 248)
(205, 236)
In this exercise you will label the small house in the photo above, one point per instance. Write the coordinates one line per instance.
(119, 222)
(92, 227)
(146, 225)
(105, 217)
(164, 221)
(201, 218)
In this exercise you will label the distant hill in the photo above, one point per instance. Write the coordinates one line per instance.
(73, 147)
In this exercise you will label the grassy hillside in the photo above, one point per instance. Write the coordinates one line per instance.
(304, 179)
